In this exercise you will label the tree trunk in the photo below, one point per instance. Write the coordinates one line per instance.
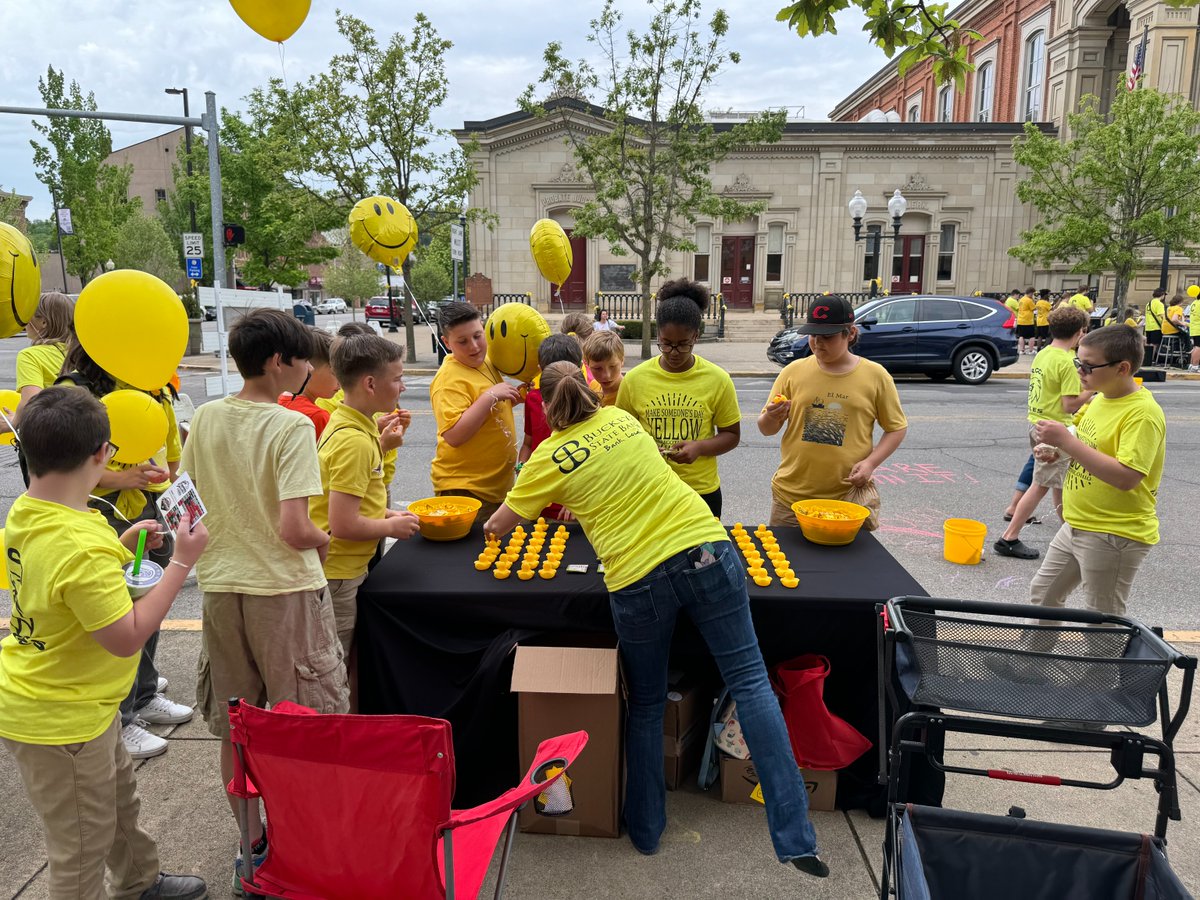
(647, 308)
(1118, 308)
(410, 353)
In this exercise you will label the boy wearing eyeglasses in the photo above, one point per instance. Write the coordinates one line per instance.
(1109, 493)
(1055, 394)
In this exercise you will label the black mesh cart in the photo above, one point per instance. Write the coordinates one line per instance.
(1059, 676)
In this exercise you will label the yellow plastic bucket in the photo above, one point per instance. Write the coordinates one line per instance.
(963, 541)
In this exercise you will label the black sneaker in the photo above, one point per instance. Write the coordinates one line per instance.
(811, 865)
(1015, 549)
(176, 887)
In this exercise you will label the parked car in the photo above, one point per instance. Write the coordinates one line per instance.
(967, 337)
(332, 305)
(377, 308)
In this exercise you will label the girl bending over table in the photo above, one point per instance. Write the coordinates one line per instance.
(663, 553)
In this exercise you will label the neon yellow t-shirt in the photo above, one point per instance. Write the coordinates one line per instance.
(1051, 377)
(57, 684)
(1194, 319)
(682, 406)
(246, 458)
(484, 464)
(1025, 307)
(389, 458)
(1132, 430)
(831, 426)
(40, 365)
(1155, 314)
(1083, 301)
(351, 463)
(1012, 303)
(1042, 308)
(609, 473)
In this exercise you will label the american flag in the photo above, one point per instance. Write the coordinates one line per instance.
(1139, 61)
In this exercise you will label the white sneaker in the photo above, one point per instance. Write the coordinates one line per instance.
(161, 711)
(162, 685)
(140, 743)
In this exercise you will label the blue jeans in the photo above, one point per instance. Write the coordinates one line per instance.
(715, 598)
(1025, 479)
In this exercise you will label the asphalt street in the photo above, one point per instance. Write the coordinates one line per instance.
(964, 448)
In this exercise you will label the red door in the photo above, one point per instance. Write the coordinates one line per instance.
(908, 262)
(737, 271)
(574, 292)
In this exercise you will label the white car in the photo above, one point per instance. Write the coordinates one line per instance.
(332, 305)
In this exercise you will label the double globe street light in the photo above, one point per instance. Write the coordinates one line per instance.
(896, 207)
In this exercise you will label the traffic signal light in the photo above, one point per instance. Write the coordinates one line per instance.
(235, 235)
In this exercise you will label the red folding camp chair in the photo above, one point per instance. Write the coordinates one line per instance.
(359, 806)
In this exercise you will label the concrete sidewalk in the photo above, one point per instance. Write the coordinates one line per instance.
(711, 850)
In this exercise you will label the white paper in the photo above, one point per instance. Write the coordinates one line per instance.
(179, 498)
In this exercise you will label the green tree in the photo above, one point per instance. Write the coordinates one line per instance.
(1123, 183)
(365, 125)
(143, 243)
(41, 234)
(10, 208)
(650, 164)
(352, 275)
(430, 280)
(71, 164)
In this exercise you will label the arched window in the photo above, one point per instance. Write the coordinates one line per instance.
(946, 104)
(914, 113)
(985, 85)
(1035, 68)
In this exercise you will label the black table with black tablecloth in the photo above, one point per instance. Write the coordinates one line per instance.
(436, 638)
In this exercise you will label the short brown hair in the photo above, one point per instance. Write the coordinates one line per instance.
(60, 428)
(578, 324)
(1066, 322)
(322, 342)
(455, 313)
(1117, 343)
(261, 333)
(601, 346)
(355, 328)
(566, 397)
(357, 355)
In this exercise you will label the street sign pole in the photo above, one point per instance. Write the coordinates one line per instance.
(456, 252)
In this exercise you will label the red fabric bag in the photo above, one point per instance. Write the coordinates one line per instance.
(820, 740)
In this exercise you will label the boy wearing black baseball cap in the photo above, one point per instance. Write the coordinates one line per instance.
(827, 405)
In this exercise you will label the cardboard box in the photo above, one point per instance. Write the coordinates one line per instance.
(739, 780)
(685, 726)
(565, 689)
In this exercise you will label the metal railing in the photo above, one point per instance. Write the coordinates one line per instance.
(501, 299)
(628, 307)
(795, 305)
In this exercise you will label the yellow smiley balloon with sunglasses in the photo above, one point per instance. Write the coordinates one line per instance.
(383, 229)
(20, 280)
(514, 332)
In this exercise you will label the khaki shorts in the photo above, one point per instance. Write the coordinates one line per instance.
(268, 649)
(1048, 474)
(344, 593)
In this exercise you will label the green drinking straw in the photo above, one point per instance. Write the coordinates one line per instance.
(141, 548)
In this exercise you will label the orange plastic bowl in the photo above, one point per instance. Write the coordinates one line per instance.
(445, 518)
(830, 532)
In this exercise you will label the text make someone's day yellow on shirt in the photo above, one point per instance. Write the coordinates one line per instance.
(57, 684)
(1051, 377)
(1132, 430)
(682, 406)
(483, 464)
(608, 471)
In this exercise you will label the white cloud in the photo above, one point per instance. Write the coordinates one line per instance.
(127, 51)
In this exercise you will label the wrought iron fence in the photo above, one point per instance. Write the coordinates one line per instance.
(628, 307)
(795, 305)
(501, 299)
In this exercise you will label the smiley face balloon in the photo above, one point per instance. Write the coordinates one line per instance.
(383, 229)
(514, 332)
(20, 280)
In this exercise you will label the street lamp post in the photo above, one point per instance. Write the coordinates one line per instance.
(896, 207)
(187, 142)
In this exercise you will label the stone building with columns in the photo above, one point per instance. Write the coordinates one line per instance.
(959, 179)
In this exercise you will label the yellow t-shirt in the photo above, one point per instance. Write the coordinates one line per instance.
(389, 458)
(57, 684)
(1194, 319)
(1132, 322)
(245, 459)
(1052, 375)
(1083, 301)
(1025, 308)
(1173, 320)
(1132, 430)
(39, 365)
(1042, 309)
(351, 463)
(1012, 303)
(609, 473)
(484, 464)
(682, 406)
(609, 399)
(1155, 314)
(831, 426)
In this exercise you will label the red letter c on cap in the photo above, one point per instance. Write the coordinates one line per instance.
(820, 312)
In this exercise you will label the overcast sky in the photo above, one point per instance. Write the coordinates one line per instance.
(128, 51)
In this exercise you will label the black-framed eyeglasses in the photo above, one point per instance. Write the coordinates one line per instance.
(676, 346)
(113, 449)
(1088, 368)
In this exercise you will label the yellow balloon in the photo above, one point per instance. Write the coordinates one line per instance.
(551, 250)
(124, 306)
(8, 402)
(383, 229)
(138, 424)
(20, 280)
(276, 20)
(4, 585)
(1194, 291)
(514, 332)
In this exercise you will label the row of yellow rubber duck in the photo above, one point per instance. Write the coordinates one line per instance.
(502, 561)
(754, 559)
